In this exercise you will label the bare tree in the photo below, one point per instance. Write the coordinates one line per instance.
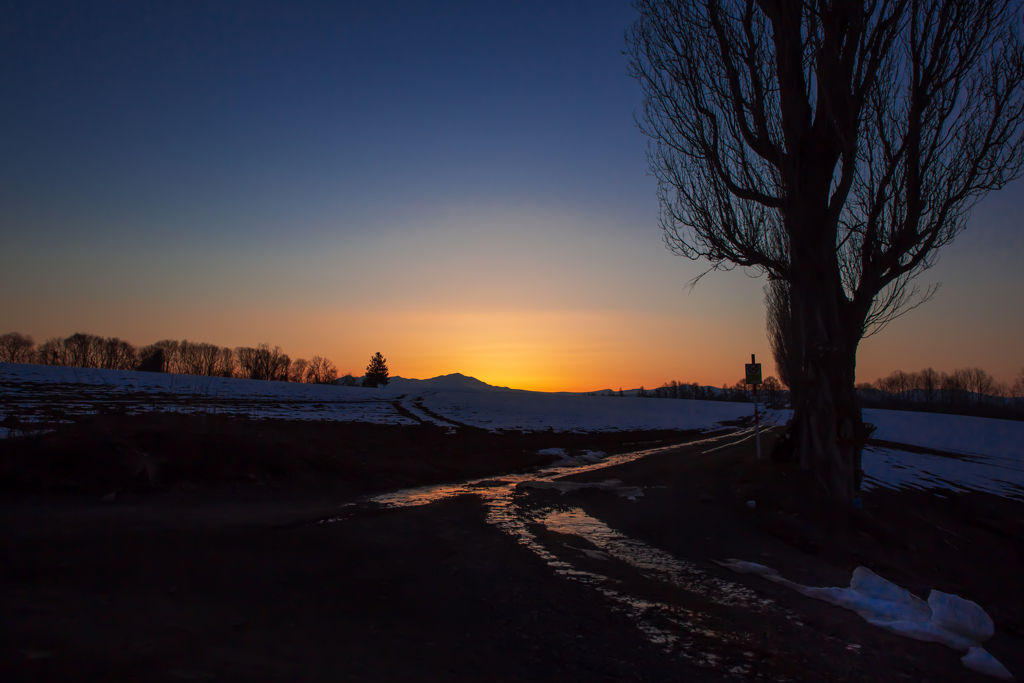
(82, 350)
(51, 352)
(1000, 392)
(901, 386)
(262, 362)
(248, 363)
(116, 354)
(1017, 390)
(171, 354)
(321, 371)
(225, 363)
(929, 383)
(978, 383)
(833, 145)
(282, 368)
(298, 371)
(950, 388)
(246, 356)
(16, 348)
(772, 388)
(208, 356)
(189, 360)
(197, 358)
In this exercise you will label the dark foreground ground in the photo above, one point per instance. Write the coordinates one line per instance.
(208, 563)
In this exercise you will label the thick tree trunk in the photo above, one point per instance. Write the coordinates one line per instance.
(827, 430)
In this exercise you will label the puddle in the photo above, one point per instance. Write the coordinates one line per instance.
(652, 562)
(614, 485)
(678, 631)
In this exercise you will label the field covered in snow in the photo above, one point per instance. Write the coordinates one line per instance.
(951, 451)
(921, 450)
(32, 391)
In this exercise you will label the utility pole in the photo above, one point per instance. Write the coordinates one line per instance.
(754, 379)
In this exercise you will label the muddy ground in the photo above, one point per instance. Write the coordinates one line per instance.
(208, 562)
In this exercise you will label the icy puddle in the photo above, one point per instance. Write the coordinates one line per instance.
(679, 631)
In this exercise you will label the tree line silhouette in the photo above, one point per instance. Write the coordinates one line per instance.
(183, 357)
(965, 391)
(771, 392)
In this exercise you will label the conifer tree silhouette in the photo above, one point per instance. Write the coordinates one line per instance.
(376, 372)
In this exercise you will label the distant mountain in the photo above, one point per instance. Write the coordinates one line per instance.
(454, 382)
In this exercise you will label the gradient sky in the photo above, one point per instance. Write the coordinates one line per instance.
(459, 185)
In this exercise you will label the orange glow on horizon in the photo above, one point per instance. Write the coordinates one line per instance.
(538, 350)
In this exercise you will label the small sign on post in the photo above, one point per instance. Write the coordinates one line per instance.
(753, 379)
(753, 372)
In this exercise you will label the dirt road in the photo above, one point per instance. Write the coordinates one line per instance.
(585, 584)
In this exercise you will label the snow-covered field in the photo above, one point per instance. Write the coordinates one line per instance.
(32, 390)
(962, 452)
(967, 453)
(536, 411)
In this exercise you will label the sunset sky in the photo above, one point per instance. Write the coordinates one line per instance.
(458, 185)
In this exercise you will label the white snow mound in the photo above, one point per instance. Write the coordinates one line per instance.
(979, 659)
(948, 619)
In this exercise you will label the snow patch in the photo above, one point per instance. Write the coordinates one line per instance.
(978, 435)
(538, 411)
(979, 659)
(947, 619)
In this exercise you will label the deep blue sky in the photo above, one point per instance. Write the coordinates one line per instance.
(457, 184)
(235, 116)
